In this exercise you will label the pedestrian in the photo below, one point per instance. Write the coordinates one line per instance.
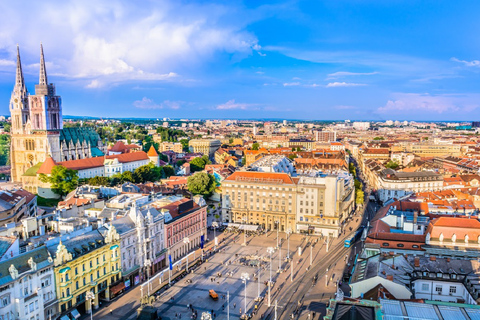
(176, 315)
(234, 305)
(180, 317)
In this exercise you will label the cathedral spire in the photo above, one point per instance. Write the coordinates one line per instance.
(19, 82)
(43, 71)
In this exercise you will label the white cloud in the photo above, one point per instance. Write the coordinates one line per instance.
(121, 40)
(147, 103)
(291, 84)
(414, 102)
(473, 63)
(231, 104)
(347, 74)
(344, 84)
(94, 84)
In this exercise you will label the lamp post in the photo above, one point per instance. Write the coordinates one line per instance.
(289, 232)
(228, 305)
(90, 296)
(311, 257)
(278, 225)
(258, 284)
(280, 258)
(148, 264)
(244, 278)
(245, 218)
(215, 226)
(186, 241)
(270, 250)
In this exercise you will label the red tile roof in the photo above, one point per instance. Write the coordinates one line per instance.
(47, 166)
(261, 177)
(152, 152)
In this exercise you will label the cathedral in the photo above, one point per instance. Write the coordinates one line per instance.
(37, 127)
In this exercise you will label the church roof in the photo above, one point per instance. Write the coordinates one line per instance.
(152, 152)
(32, 171)
(72, 135)
(96, 152)
(47, 166)
(119, 146)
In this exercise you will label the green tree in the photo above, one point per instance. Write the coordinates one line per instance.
(379, 138)
(148, 172)
(392, 165)
(148, 142)
(62, 180)
(180, 163)
(359, 197)
(255, 146)
(127, 176)
(99, 181)
(184, 143)
(244, 160)
(201, 183)
(292, 156)
(299, 149)
(168, 171)
(198, 164)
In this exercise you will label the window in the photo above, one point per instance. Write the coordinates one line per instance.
(385, 244)
(425, 287)
(438, 289)
(453, 289)
(4, 301)
(400, 245)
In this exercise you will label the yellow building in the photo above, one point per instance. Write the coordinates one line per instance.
(173, 146)
(434, 150)
(204, 146)
(87, 262)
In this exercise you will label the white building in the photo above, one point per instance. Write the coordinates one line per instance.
(273, 163)
(142, 238)
(357, 125)
(27, 289)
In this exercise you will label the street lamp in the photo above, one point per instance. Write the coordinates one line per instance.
(278, 224)
(186, 241)
(244, 278)
(270, 250)
(245, 218)
(148, 264)
(289, 232)
(91, 297)
(215, 226)
(280, 258)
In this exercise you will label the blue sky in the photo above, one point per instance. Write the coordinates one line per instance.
(319, 60)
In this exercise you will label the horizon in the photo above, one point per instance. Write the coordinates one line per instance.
(191, 59)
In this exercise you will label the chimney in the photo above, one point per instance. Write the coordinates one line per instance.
(390, 277)
(433, 258)
(417, 262)
(448, 259)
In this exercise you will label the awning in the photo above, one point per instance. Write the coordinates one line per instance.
(117, 288)
(63, 270)
(65, 317)
(75, 313)
(249, 227)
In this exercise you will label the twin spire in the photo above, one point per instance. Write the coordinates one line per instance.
(19, 80)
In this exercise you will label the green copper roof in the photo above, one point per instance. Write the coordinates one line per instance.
(32, 171)
(72, 135)
(96, 152)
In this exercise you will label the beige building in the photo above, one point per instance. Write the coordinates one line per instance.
(433, 149)
(205, 146)
(317, 205)
(173, 146)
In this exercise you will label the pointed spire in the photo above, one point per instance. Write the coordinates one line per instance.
(43, 81)
(19, 82)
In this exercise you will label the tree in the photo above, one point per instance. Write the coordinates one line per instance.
(148, 172)
(99, 181)
(359, 197)
(379, 138)
(184, 143)
(255, 146)
(127, 176)
(201, 183)
(244, 160)
(299, 149)
(392, 165)
(148, 142)
(198, 164)
(62, 180)
(292, 156)
(180, 163)
(168, 171)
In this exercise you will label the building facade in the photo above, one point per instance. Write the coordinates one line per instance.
(87, 262)
(204, 146)
(37, 126)
(28, 286)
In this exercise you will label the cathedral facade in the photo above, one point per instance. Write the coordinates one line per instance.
(37, 126)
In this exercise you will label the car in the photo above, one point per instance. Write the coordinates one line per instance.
(213, 295)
